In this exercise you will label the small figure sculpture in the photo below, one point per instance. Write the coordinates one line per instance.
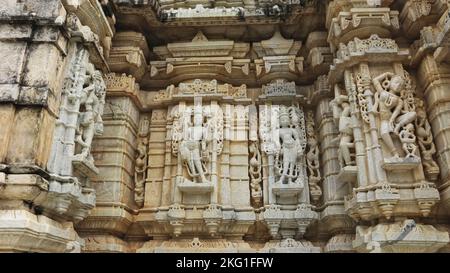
(140, 170)
(312, 158)
(90, 121)
(290, 148)
(346, 131)
(425, 140)
(193, 149)
(388, 98)
(254, 170)
(408, 139)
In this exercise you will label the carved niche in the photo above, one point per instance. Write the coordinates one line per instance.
(197, 140)
(283, 140)
(71, 164)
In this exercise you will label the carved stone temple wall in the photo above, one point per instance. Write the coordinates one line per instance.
(265, 126)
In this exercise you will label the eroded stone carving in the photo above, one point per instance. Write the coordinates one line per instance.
(90, 123)
(140, 168)
(426, 142)
(342, 115)
(254, 170)
(312, 158)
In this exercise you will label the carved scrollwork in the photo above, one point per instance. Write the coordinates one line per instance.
(254, 169)
(312, 158)
(426, 142)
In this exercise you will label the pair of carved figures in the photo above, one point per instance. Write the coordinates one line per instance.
(399, 113)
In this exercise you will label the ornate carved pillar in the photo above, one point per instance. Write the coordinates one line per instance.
(334, 221)
(52, 96)
(120, 183)
(376, 108)
(431, 53)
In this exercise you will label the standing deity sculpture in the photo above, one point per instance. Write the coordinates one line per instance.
(193, 148)
(392, 106)
(90, 121)
(291, 148)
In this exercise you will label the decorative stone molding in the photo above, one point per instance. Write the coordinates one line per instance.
(406, 236)
(379, 21)
(201, 88)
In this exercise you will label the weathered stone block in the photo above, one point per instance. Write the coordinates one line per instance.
(13, 59)
(6, 121)
(32, 129)
(14, 32)
(43, 66)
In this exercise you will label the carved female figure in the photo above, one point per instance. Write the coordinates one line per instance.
(290, 148)
(390, 103)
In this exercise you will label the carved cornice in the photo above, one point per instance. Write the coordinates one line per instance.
(123, 85)
(371, 50)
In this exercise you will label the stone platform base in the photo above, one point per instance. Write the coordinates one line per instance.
(22, 231)
(400, 237)
(340, 243)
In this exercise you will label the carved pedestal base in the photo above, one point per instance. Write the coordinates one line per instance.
(285, 224)
(83, 166)
(400, 237)
(289, 246)
(195, 188)
(340, 243)
(432, 173)
(287, 190)
(22, 231)
(348, 174)
(401, 164)
(212, 221)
